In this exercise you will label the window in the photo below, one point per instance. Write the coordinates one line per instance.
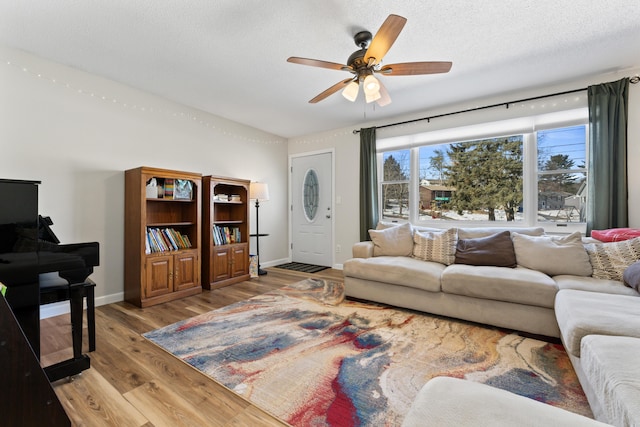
(532, 178)
(395, 185)
(562, 175)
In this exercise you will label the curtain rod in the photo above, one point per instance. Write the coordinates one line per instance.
(633, 80)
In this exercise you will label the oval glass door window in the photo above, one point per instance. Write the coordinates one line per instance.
(310, 194)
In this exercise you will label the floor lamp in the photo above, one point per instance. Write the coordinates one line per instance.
(258, 191)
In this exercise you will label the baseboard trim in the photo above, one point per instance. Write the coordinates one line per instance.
(58, 308)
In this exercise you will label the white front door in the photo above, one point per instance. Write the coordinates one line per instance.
(312, 209)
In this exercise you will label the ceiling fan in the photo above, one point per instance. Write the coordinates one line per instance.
(366, 62)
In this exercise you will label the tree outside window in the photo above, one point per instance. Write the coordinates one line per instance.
(395, 185)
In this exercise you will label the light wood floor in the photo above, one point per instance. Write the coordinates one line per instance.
(132, 382)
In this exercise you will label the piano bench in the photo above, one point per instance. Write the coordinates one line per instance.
(53, 288)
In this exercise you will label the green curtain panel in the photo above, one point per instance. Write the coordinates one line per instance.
(608, 111)
(368, 182)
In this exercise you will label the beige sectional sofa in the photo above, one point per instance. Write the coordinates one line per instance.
(559, 286)
(517, 298)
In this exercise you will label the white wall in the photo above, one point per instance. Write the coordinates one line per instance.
(56, 127)
(346, 145)
(77, 133)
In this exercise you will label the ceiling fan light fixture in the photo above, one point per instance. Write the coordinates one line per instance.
(371, 85)
(351, 91)
(370, 97)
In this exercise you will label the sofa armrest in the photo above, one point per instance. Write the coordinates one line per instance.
(362, 250)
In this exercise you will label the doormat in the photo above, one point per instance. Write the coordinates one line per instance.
(305, 268)
(311, 358)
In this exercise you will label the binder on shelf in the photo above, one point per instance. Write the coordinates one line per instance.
(168, 188)
(182, 189)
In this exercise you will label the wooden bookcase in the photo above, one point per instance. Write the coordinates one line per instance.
(225, 206)
(153, 275)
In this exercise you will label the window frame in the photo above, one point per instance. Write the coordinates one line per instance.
(528, 127)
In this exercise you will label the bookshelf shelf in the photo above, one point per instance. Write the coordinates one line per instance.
(162, 235)
(225, 236)
(169, 224)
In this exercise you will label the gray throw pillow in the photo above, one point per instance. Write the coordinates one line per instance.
(631, 276)
(495, 250)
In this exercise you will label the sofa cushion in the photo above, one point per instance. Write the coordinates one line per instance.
(552, 255)
(446, 401)
(403, 271)
(609, 260)
(592, 284)
(631, 276)
(438, 246)
(393, 241)
(582, 313)
(495, 250)
(518, 285)
(611, 366)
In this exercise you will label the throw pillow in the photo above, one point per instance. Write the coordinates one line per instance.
(631, 276)
(496, 250)
(436, 246)
(476, 232)
(609, 260)
(394, 241)
(615, 234)
(552, 255)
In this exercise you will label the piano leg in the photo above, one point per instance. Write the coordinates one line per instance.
(80, 361)
(76, 294)
(89, 286)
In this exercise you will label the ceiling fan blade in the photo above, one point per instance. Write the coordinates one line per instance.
(384, 38)
(333, 89)
(385, 99)
(317, 63)
(414, 68)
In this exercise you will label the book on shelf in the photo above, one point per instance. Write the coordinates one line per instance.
(165, 240)
(168, 188)
(226, 235)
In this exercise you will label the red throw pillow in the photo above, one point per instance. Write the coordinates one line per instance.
(615, 234)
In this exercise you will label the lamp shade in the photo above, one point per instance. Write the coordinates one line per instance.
(371, 85)
(373, 96)
(259, 191)
(351, 91)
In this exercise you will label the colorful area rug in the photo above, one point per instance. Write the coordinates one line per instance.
(305, 268)
(311, 358)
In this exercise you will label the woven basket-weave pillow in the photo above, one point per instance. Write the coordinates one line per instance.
(610, 260)
(436, 246)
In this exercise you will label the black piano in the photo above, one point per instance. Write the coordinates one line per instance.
(30, 251)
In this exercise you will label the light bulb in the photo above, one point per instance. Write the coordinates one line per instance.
(351, 91)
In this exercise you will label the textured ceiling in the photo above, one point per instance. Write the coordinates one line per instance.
(228, 57)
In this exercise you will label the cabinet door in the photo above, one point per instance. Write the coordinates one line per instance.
(186, 271)
(240, 263)
(159, 276)
(221, 264)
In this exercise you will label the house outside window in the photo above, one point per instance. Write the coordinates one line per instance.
(534, 178)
